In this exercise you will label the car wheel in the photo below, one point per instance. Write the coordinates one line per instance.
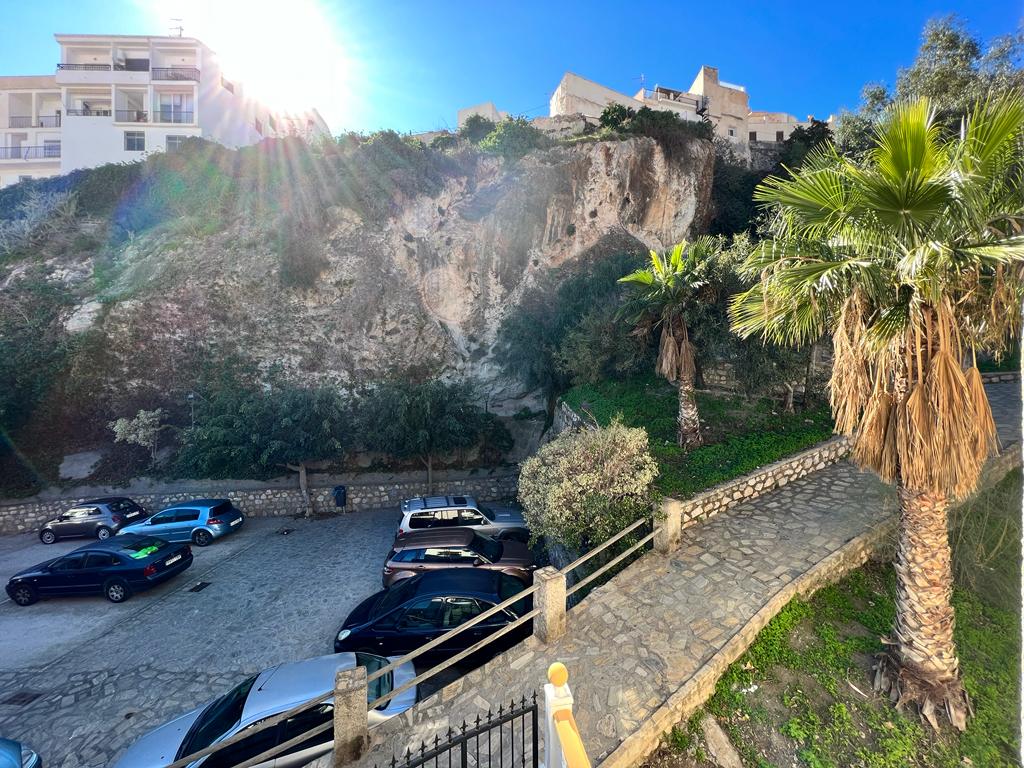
(117, 590)
(24, 594)
(47, 537)
(202, 538)
(103, 533)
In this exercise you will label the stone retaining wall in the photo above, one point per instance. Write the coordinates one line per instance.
(760, 481)
(274, 501)
(995, 376)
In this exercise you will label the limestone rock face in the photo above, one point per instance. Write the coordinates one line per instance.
(427, 287)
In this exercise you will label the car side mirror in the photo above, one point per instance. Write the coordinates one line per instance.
(477, 561)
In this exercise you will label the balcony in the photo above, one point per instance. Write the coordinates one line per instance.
(172, 116)
(86, 67)
(175, 73)
(43, 121)
(45, 152)
(131, 116)
(89, 112)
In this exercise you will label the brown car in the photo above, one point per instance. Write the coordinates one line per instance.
(455, 548)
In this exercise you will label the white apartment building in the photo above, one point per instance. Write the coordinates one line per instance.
(726, 105)
(115, 98)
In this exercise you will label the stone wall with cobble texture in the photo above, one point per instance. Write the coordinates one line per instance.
(273, 501)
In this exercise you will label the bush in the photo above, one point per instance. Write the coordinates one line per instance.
(584, 487)
(615, 116)
(601, 347)
(443, 142)
(513, 138)
(476, 128)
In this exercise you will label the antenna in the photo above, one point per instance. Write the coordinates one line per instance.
(643, 82)
(178, 28)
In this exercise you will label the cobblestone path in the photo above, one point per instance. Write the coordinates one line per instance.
(634, 641)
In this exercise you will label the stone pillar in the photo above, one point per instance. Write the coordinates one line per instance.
(350, 725)
(549, 599)
(666, 540)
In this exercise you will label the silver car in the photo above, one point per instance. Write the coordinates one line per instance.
(269, 693)
(199, 521)
(498, 521)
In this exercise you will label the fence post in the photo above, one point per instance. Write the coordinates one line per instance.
(350, 724)
(666, 539)
(565, 749)
(549, 599)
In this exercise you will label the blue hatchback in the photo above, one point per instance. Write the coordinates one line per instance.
(199, 521)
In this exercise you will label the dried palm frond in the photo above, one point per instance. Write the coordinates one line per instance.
(986, 439)
(875, 441)
(916, 439)
(955, 432)
(850, 385)
(668, 354)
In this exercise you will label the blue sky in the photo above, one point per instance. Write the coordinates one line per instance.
(411, 65)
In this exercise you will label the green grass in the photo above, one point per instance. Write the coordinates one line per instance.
(798, 677)
(741, 435)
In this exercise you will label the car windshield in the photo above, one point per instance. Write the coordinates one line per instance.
(487, 512)
(137, 550)
(220, 509)
(397, 595)
(489, 548)
(509, 586)
(216, 720)
(383, 684)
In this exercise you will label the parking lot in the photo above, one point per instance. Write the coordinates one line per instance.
(89, 676)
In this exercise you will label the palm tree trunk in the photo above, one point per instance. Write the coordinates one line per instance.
(924, 669)
(688, 420)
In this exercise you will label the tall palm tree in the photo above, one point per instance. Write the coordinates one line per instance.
(912, 260)
(662, 293)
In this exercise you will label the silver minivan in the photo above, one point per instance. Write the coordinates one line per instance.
(270, 693)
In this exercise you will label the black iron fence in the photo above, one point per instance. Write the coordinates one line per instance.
(86, 67)
(89, 112)
(131, 116)
(508, 738)
(44, 152)
(175, 73)
(26, 121)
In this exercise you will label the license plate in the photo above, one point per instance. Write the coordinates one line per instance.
(236, 521)
(172, 560)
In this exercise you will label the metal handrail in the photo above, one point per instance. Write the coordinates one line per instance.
(86, 67)
(174, 73)
(25, 121)
(131, 116)
(612, 563)
(597, 550)
(33, 152)
(172, 116)
(275, 750)
(89, 112)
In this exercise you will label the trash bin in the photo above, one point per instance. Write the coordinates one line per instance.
(340, 494)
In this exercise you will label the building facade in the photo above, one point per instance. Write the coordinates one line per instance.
(115, 98)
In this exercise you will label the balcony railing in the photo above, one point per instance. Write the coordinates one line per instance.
(89, 112)
(86, 67)
(172, 116)
(175, 73)
(43, 121)
(45, 152)
(131, 116)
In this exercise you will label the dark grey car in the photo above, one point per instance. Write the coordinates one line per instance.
(96, 518)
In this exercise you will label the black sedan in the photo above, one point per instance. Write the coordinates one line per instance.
(417, 610)
(116, 568)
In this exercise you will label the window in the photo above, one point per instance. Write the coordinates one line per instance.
(134, 141)
(382, 685)
(186, 515)
(162, 518)
(440, 555)
(424, 614)
(246, 749)
(459, 610)
(26, 177)
(174, 143)
(80, 513)
(215, 721)
(175, 108)
(780, 136)
(227, 85)
(405, 556)
(307, 721)
(753, 136)
(69, 563)
(732, 131)
(489, 548)
(51, 147)
(101, 560)
(471, 517)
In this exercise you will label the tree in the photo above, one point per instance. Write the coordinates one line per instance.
(913, 261)
(514, 137)
(251, 432)
(802, 140)
(585, 486)
(476, 128)
(662, 294)
(143, 429)
(413, 420)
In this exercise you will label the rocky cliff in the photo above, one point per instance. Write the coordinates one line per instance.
(424, 287)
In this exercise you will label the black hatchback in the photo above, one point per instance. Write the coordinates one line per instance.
(115, 568)
(419, 609)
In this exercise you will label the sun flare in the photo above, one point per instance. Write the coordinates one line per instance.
(288, 55)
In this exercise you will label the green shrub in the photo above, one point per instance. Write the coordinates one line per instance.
(476, 128)
(615, 116)
(513, 138)
(443, 142)
(601, 346)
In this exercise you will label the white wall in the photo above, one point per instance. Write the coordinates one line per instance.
(577, 95)
(91, 141)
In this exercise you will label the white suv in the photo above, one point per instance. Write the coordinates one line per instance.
(498, 522)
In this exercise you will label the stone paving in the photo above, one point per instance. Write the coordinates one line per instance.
(634, 641)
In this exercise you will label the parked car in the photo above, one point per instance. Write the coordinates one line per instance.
(16, 755)
(199, 521)
(497, 521)
(270, 693)
(455, 548)
(417, 610)
(99, 518)
(115, 568)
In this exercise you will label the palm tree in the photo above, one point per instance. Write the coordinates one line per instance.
(662, 293)
(913, 260)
